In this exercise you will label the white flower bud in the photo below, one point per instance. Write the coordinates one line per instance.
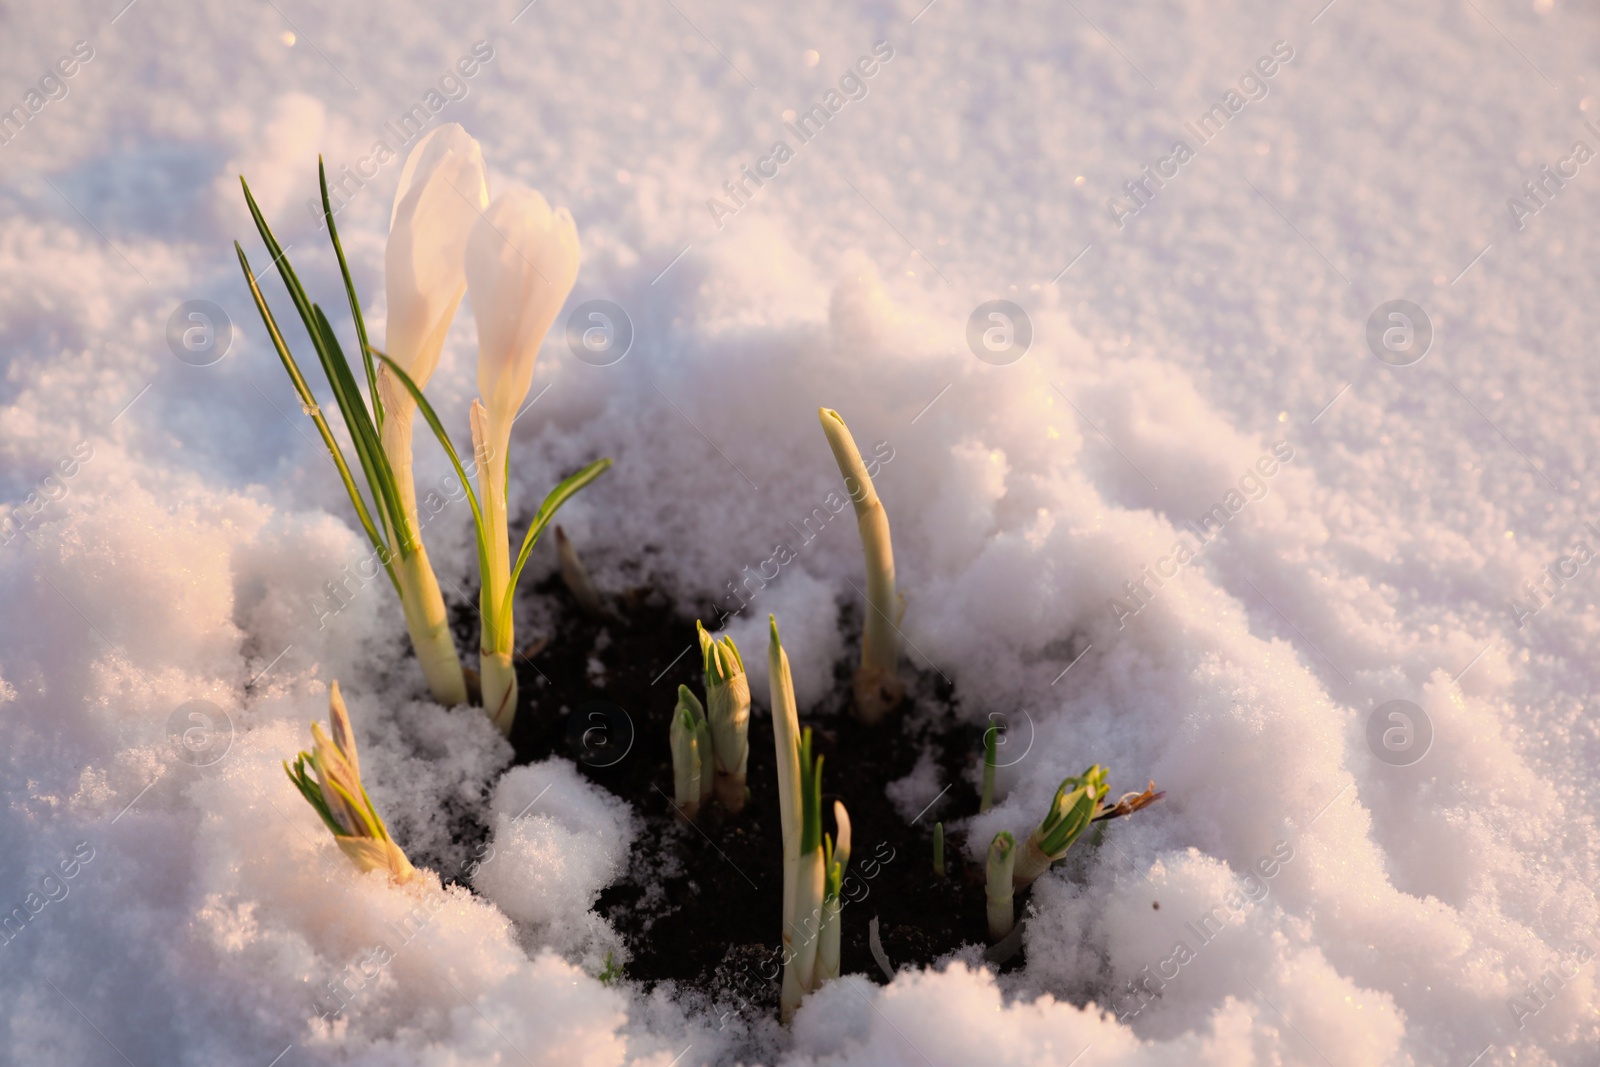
(441, 196)
(522, 259)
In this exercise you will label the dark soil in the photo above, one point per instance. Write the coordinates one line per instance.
(702, 903)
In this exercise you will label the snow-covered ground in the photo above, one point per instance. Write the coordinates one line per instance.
(1203, 346)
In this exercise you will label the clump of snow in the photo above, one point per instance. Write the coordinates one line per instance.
(557, 840)
(914, 795)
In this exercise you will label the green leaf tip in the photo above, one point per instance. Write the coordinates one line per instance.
(1077, 801)
(690, 705)
(720, 655)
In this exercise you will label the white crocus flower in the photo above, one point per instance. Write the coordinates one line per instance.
(522, 259)
(442, 193)
(441, 196)
(521, 262)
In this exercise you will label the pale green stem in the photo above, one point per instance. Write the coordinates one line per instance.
(1031, 862)
(688, 763)
(420, 598)
(828, 950)
(802, 875)
(430, 628)
(878, 686)
(498, 679)
(999, 888)
(803, 932)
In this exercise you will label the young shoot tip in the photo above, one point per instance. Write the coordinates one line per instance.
(991, 750)
(999, 887)
(333, 788)
(1078, 801)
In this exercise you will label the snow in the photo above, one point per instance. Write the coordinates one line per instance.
(557, 842)
(179, 526)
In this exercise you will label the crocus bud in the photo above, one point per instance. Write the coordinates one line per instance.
(522, 259)
(333, 787)
(728, 711)
(835, 861)
(442, 193)
(690, 761)
(841, 845)
(1078, 801)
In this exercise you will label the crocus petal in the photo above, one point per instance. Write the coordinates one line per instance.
(442, 194)
(333, 778)
(522, 259)
(344, 737)
(841, 848)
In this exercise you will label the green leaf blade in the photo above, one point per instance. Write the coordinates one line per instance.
(542, 518)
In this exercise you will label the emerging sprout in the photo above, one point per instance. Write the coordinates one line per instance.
(1078, 802)
(691, 754)
(991, 745)
(997, 886)
(877, 685)
(938, 849)
(835, 860)
(799, 805)
(576, 576)
(339, 797)
(611, 973)
(728, 710)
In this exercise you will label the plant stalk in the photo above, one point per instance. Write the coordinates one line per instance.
(429, 625)
(1031, 862)
(877, 684)
(498, 679)
(420, 597)
(998, 888)
(802, 867)
(828, 948)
